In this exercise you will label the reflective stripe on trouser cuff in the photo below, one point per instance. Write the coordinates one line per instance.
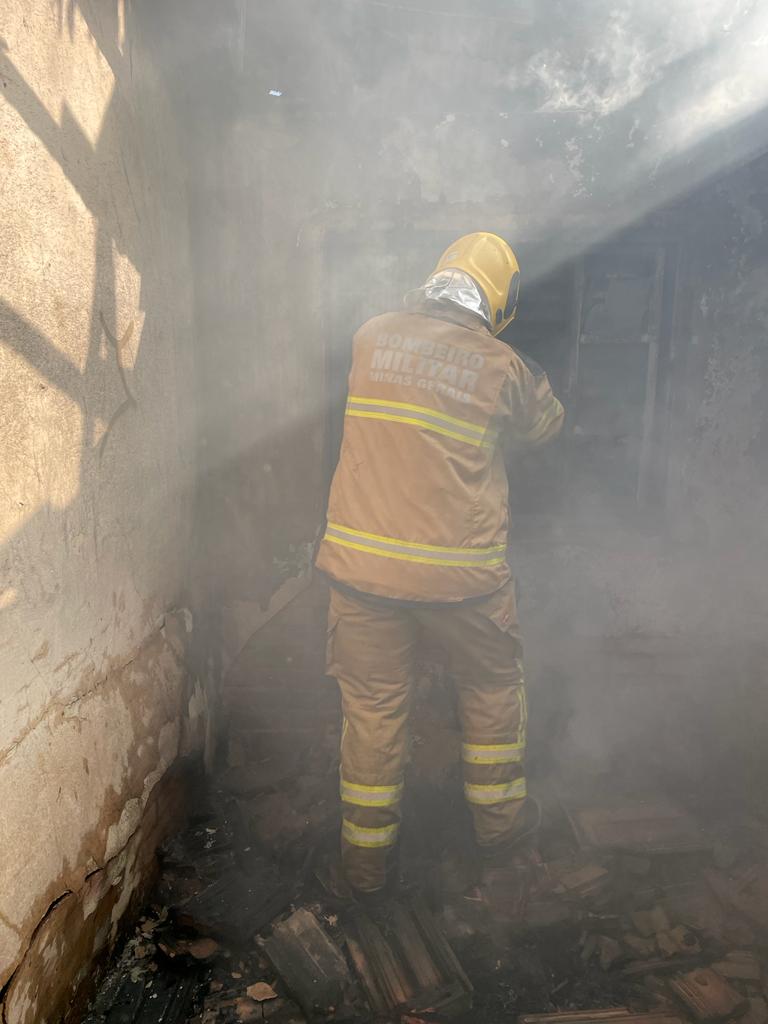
(356, 835)
(370, 796)
(408, 551)
(492, 753)
(496, 794)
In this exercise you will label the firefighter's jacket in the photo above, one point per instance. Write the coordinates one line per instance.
(418, 508)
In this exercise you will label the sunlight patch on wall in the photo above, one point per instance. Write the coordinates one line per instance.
(129, 318)
(61, 63)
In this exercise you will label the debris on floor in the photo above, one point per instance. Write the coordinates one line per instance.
(744, 890)
(586, 881)
(708, 996)
(619, 1015)
(141, 991)
(312, 966)
(630, 921)
(739, 963)
(405, 962)
(643, 825)
(237, 906)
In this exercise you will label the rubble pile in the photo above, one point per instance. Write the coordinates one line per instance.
(634, 916)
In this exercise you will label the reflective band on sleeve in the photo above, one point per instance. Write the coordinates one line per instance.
(492, 753)
(421, 416)
(356, 835)
(370, 796)
(546, 421)
(497, 794)
(426, 554)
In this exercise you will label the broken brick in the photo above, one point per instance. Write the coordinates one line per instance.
(585, 881)
(261, 992)
(310, 963)
(650, 825)
(639, 946)
(745, 967)
(405, 962)
(708, 995)
(608, 951)
(678, 940)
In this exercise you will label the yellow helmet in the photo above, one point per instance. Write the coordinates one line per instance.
(493, 266)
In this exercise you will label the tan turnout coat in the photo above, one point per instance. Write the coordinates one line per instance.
(418, 504)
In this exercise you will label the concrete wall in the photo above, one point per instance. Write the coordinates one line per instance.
(261, 398)
(96, 462)
(261, 385)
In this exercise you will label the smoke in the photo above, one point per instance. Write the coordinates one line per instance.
(622, 51)
(355, 139)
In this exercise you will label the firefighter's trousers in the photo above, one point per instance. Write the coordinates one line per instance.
(371, 650)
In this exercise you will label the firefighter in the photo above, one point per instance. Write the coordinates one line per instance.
(416, 543)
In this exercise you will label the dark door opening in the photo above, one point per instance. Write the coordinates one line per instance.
(600, 327)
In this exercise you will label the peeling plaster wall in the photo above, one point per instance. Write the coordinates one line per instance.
(95, 461)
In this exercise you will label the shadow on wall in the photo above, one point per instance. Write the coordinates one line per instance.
(97, 433)
(102, 387)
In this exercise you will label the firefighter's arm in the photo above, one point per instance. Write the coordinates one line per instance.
(531, 412)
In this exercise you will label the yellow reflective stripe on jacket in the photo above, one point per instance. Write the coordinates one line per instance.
(370, 838)
(427, 554)
(370, 796)
(496, 794)
(492, 753)
(420, 416)
(549, 417)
